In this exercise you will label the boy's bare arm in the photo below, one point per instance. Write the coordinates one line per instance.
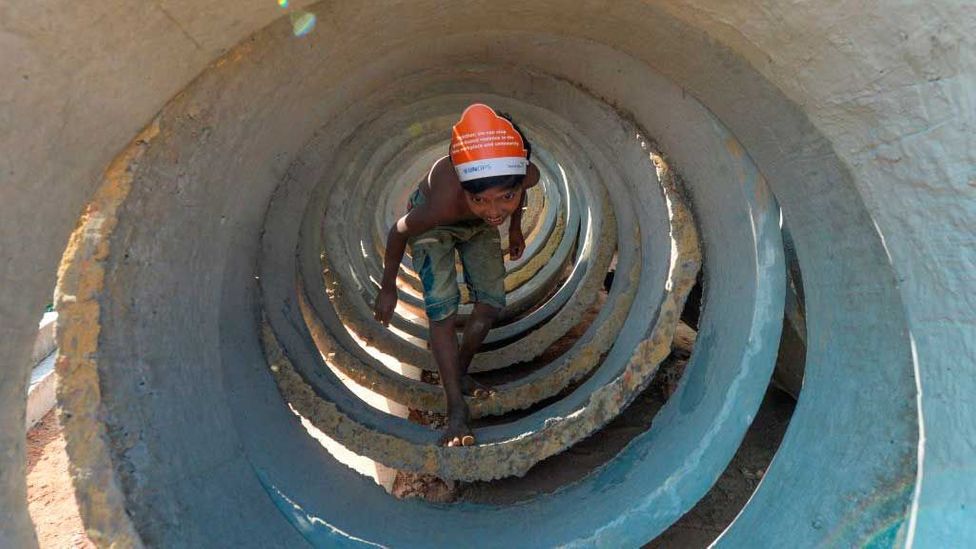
(531, 176)
(516, 241)
(531, 180)
(415, 222)
(515, 223)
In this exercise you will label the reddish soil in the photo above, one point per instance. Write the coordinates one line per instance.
(50, 494)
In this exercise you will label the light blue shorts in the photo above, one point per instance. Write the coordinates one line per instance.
(479, 246)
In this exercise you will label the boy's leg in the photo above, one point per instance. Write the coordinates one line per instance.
(484, 273)
(444, 346)
(482, 318)
(433, 259)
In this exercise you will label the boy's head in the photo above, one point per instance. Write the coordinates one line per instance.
(490, 156)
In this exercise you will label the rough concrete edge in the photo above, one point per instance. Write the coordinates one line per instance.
(81, 279)
(513, 457)
(41, 396)
(409, 392)
(44, 343)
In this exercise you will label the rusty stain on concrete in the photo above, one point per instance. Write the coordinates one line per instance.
(81, 278)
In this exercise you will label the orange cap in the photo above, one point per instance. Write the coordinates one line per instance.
(484, 144)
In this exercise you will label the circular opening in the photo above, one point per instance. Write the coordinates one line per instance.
(235, 248)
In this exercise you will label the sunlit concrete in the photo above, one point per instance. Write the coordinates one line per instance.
(860, 119)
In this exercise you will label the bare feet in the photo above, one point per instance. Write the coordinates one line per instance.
(466, 440)
(457, 436)
(472, 388)
(457, 432)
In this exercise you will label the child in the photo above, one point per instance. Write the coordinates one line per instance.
(460, 206)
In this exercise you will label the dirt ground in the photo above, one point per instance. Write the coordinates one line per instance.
(51, 497)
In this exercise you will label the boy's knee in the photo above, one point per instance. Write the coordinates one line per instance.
(487, 311)
(447, 322)
(440, 310)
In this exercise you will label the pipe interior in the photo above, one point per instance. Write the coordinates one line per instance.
(229, 200)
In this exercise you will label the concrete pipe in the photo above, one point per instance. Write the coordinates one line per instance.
(215, 153)
(512, 448)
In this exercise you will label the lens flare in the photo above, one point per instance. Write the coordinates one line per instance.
(283, 3)
(302, 23)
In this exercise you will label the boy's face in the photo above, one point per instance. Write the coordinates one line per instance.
(496, 204)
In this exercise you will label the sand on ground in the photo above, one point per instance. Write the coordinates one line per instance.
(50, 494)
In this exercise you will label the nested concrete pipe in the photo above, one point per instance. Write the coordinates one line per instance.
(345, 354)
(354, 272)
(635, 177)
(860, 122)
(352, 298)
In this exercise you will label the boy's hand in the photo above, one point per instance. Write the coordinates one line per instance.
(385, 303)
(516, 244)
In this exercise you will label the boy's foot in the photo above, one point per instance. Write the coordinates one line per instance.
(466, 440)
(459, 435)
(472, 388)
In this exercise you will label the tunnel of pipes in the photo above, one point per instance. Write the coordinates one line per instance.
(220, 282)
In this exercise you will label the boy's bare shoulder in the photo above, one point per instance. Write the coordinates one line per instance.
(442, 176)
(444, 192)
